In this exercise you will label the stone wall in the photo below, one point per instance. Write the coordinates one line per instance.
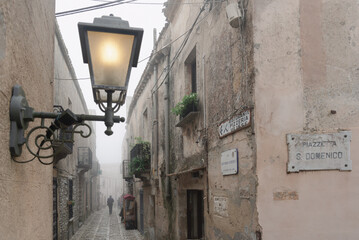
(224, 77)
(27, 31)
(63, 190)
(294, 66)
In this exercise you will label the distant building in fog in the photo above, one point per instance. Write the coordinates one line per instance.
(110, 182)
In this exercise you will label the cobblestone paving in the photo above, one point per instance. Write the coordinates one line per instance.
(102, 226)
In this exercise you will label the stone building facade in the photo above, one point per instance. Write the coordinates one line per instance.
(284, 70)
(27, 30)
(77, 185)
(187, 196)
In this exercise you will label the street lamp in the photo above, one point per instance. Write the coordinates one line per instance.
(111, 48)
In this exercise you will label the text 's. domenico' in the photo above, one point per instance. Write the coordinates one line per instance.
(319, 151)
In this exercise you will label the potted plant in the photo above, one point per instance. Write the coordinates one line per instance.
(140, 157)
(138, 165)
(188, 104)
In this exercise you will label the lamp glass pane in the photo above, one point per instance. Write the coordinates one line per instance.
(101, 96)
(110, 57)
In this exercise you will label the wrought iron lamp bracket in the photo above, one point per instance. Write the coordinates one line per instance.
(20, 115)
(49, 138)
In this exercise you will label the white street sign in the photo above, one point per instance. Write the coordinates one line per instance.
(319, 151)
(234, 124)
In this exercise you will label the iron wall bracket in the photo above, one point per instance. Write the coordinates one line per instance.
(20, 115)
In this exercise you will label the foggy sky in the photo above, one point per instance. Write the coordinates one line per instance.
(144, 16)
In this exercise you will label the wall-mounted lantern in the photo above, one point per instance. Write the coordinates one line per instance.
(111, 48)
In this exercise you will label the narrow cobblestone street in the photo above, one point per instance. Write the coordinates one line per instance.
(102, 226)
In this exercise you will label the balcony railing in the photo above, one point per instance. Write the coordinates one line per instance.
(63, 144)
(126, 169)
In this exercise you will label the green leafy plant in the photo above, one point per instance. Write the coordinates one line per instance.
(140, 161)
(137, 165)
(188, 104)
(139, 140)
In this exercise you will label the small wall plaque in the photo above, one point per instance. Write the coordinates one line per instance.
(220, 206)
(229, 162)
(319, 151)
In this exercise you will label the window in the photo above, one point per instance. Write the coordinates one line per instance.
(71, 190)
(195, 215)
(144, 123)
(194, 76)
(191, 70)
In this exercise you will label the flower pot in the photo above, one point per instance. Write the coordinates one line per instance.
(189, 108)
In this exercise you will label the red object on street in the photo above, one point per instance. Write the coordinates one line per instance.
(129, 196)
(129, 212)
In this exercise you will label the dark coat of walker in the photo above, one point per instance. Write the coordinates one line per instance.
(110, 203)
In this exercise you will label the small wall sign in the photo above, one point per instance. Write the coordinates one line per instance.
(319, 151)
(234, 124)
(220, 206)
(229, 162)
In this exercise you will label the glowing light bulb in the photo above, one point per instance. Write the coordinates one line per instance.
(110, 53)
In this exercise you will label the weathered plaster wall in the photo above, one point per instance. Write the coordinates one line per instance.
(140, 123)
(306, 60)
(224, 85)
(186, 182)
(26, 58)
(230, 71)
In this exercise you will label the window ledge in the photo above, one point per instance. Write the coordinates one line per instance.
(188, 118)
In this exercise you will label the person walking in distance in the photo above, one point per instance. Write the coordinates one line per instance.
(110, 203)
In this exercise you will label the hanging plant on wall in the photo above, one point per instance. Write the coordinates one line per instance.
(137, 165)
(188, 104)
(140, 157)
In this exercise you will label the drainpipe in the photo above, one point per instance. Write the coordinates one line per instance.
(205, 128)
(155, 111)
(155, 125)
(155, 122)
(167, 140)
(204, 96)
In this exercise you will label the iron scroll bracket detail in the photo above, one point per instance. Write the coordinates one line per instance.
(44, 141)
